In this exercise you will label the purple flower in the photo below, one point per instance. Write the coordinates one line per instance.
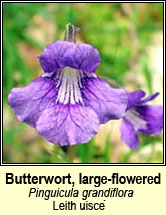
(140, 118)
(68, 103)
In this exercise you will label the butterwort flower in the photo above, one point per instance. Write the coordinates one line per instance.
(140, 118)
(68, 102)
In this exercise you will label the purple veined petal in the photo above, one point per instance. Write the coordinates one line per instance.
(149, 98)
(134, 98)
(28, 102)
(68, 124)
(49, 65)
(62, 54)
(107, 102)
(88, 58)
(128, 134)
(154, 118)
(52, 56)
(81, 57)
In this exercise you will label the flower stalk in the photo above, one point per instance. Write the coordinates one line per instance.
(71, 33)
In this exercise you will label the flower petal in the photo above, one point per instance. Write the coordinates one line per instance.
(107, 102)
(28, 102)
(87, 58)
(53, 53)
(128, 134)
(134, 98)
(62, 54)
(68, 124)
(154, 117)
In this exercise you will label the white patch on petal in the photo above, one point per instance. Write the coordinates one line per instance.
(91, 75)
(135, 119)
(47, 75)
(69, 86)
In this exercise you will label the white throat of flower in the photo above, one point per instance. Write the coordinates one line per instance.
(135, 119)
(69, 86)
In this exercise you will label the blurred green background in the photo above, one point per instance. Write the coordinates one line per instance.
(129, 37)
